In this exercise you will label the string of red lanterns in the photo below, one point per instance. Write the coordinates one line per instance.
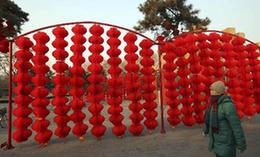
(171, 84)
(95, 89)
(22, 90)
(255, 67)
(196, 80)
(60, 81)
(40, 93)
(247, 78)
(77, 81)
(235, 80)
(205, 62)
(184, 73)
(114, 92)
(133, 84)
(148, 86)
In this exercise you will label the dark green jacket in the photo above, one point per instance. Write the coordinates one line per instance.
(231, 134)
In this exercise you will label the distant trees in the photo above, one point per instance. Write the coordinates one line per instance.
(169, 17)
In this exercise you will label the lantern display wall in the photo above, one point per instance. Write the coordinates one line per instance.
(68, 96)
(202, 58)
(123, 97)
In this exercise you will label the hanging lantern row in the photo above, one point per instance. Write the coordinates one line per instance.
(184, 73)
(235, 81)
(247, 81)
(133, 84)
(197, 81)
(171, 85)
(22, 90)
(40, 93)
(60, 81)
(77, 81)
(253, 54)
(148, 85)
(95, 89)
(202, 59)
(114, 92)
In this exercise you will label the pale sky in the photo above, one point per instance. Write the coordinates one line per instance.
(244, 15)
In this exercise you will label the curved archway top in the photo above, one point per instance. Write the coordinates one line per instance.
(130, 30)
(86, 22)
(216, 31)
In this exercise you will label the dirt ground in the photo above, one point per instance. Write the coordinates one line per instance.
(176, 142)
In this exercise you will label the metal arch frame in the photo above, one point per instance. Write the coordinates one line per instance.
(85, 22)
(234, 35)
(216, 31)
(8, 145)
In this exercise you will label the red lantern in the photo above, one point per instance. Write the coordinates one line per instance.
(114, 93)
(171, 83)
(149, 86)
(77, 81)
(133, 80)
(95, 95)
(22, 91)
(254, 71)
(60, 80)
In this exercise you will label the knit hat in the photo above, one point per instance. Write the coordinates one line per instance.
(218, 86)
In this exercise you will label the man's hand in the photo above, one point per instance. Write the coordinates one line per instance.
(203, 134)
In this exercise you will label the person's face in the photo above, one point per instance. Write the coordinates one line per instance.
(213, 92)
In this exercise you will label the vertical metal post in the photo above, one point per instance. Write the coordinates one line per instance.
(161, 90)
(9, 141)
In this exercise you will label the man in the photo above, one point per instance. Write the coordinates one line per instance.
(223, 124)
